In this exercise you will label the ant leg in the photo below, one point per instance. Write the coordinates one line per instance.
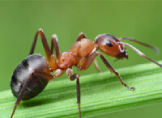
(112, 70)
(81, 36)
(45, 44)
(20, 96)
(55, 45)
(58, 72)
(142, 43)
(41, 73)
(46, 75)
(72, 77)
(76, 46)
(96, 65)
(53, 63)
(140, 53)
(87, 62)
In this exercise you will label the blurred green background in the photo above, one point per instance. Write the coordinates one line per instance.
(19, 22)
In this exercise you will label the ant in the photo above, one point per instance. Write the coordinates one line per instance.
(33, 74)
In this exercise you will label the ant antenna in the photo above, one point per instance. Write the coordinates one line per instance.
(140, 53)
(142, 43)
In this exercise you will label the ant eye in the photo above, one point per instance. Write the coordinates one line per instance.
(109, 43)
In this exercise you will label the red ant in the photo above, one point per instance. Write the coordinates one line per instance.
(32, 74)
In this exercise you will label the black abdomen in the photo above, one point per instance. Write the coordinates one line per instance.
(24, 71)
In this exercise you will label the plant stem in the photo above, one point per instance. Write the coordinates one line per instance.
(101, 93)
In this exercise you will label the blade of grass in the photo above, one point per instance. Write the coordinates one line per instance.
(101, 93)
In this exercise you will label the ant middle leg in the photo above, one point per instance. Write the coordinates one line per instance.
(55, 45)
(96, 65)
(72, 77)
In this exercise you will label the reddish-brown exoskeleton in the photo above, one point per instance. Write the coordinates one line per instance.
(29, 75)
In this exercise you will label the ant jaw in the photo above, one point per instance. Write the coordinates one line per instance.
(122, 55)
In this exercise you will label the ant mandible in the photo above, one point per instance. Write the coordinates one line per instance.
(32, 74)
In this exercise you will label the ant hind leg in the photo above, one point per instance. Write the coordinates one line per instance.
(45, 44)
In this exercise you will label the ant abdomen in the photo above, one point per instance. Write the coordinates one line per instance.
(25, 71)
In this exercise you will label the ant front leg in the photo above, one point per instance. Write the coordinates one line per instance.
(80, 37)
(112, 70)
(72, 77)
(45, 45)
(87, 62)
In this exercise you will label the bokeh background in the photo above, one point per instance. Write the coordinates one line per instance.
(19, 22)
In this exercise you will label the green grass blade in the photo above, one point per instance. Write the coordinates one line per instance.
(101, 93)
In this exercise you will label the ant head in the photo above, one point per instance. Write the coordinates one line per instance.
(111, 46)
